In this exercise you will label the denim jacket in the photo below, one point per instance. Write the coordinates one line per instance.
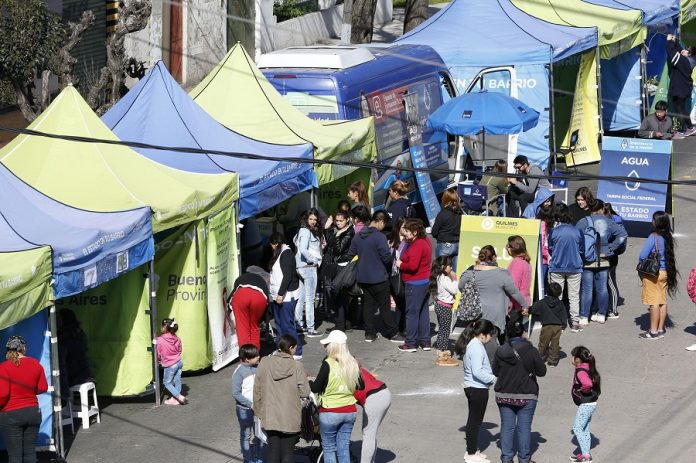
(308, 248)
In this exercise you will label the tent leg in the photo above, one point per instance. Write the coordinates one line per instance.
(55, 373)
(600, 104)
(153, 326)
(643, 82)
(238, 234)
(552, 115)
(313, 197)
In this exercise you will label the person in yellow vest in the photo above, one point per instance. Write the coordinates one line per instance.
(337, 380)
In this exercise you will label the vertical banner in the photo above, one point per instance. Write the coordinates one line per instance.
(222, 270)
(585, 114)
(479, 231)
(637, 158)
(114, 316)
(181, 283)
(415, 147)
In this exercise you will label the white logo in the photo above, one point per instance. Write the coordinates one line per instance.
(121, 261)
(487, 224)
(90, 277)
(624, 144)
(632, 186)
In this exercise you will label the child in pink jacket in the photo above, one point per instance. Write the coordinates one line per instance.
(520, 270)
(169, 355)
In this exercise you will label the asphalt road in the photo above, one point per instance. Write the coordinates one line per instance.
(645, 413)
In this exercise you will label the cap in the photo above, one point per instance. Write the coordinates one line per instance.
(16, 342)
(336, 337)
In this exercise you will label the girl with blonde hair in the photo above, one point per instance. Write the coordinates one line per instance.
(337, 380)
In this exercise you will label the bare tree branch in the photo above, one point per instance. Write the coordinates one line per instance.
(66, 62)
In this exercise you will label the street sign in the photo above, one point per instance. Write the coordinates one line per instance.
(636, 158)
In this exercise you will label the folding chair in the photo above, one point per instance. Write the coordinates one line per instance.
(473, 198)
(563, 151)
(559, 185)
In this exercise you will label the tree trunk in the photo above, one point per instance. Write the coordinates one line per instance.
(67, 62)
(24, 103)
(347, 22)
(362, 20)
(416, 13)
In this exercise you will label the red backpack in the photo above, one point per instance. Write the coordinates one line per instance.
(691, 285)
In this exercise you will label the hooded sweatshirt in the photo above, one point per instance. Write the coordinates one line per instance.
(517, 378)
(280, 383)
(168, 349)
(397, 209)
(551, 311)
(532, 209)
(370, 245)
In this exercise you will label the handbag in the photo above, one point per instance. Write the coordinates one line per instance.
(469, 308)
(650, 266)
(396, 284)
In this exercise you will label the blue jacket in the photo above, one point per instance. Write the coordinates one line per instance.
(612, 236)
(374, 256)
(649, 247)
(567, 249)
(542, 194)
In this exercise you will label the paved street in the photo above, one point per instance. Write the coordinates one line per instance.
(646, 411)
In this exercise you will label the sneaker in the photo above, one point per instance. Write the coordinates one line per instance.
(690, 132)
(370, 337)
(426, 346)
(301, 330)
(581, 458)
(599, 318)
(691, 348)
(662, 332)
(475, 458)
(397, 338)
(650, 335)
(297, 357)
(445, 360)
(613, 315)
(407, 348)
(575, 328)
(583, 321)
(678, 136)
(313, 334)
(552, 364)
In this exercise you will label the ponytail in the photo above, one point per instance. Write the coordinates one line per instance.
(585, 356)
(475, 328)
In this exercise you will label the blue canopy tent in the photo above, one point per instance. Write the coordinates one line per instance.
(661, 17)
(158, 111)
(518, 51)
(89, 248)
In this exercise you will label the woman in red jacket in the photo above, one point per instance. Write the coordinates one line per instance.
(415, 263)
(21, 379)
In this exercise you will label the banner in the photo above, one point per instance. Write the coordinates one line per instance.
(585, 114)
(181, 282)
(328, 195)
(222, 270)
(621, 91)
(637, 158)
(479, 231)
(115, 318)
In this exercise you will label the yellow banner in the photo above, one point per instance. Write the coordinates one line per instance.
(479, 231)
(585, 114)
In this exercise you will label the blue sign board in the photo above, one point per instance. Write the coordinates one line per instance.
(425, 184)
(636, 158)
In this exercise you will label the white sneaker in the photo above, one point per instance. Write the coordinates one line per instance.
(475, 458)
(691, 348)
(583, 321)
(599, 318)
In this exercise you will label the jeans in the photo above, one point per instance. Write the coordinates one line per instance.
(172, 378)
(581, 427)
(516, 420)
(417, 316)
(335, 431)
(477, 399)
(251, 446)
(594, 281)
(448, 249)
(573, 280)
(284, 315)
(308, 291)
(280, 447)
(19, 429)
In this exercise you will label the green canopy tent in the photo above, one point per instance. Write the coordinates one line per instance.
(237, 83)
(105, 177)
(620, 33)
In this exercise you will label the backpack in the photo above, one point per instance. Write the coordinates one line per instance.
(691, 285)
(469, 308)
(592, 242)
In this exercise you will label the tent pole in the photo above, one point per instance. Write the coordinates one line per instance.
(238, 235)
(643, 82)
(313, 197)
(153, 322)
(600, 104)
(552, 115)
(483, 149)
(55, 373)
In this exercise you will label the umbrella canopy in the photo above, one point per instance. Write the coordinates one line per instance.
(490, 113)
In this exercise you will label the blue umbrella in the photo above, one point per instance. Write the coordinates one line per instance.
(483, 112)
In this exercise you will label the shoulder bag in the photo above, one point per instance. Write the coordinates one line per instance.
(650, 266)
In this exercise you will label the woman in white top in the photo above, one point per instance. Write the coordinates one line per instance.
(478, 377)
(443, 289)
(284, 289)
(309, 243)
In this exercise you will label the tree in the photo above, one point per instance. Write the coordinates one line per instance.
(416, 13)
(362, 20)
(36, 44)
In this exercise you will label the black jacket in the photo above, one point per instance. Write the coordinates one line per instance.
(337, 246)
(517, 378)
(253, 280)
(447, 226)
(397, 209)
(576, 213)
(291, 281)
(550, 311)
(680, 81)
